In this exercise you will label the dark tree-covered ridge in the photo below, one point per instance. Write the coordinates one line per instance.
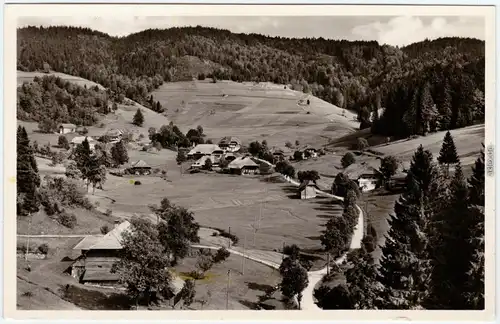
(359, 75)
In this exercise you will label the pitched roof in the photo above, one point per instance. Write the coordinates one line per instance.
(229, 139)
(114, 132)
(110, 241)
(67, 125)
(241, 162)
(204, 149)
(308, 183)
(80, 139)
(87, 242)
(354, 171)
(140, 164)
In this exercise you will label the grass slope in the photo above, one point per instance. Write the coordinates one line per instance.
(253, 111)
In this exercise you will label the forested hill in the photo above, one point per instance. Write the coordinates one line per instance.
(359, 76)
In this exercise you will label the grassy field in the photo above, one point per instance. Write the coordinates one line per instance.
(253, 112)
(244, 287)
(223, 201)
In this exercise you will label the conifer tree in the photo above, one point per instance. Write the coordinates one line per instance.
(476, 181)
(427, 110)
(28, 179)
(475, 295)
(404, 266)
(450, 249)
(411, 114)
(448, 154)
(138, 118)
(445, 107)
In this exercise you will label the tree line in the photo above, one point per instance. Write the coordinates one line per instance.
(360, 75)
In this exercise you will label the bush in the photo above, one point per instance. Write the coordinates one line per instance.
(104, 229)
(58, 192)
(43, 248)
(362, 144)
(137, 183)
(347, 160)
(63, 142)
(368, 243)
(67, 220)
(108, 212)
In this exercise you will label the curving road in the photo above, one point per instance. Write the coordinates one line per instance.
(314, 277)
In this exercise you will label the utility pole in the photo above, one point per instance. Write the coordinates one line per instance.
(28, 238)
(327, 263)
(227, 290)
(244, 255)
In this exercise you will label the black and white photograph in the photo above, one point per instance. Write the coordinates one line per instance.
(277, 160)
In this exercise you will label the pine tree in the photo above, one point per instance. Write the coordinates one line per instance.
(428, 112)
(476, 181)
(445, 107)
(28, 179)
(411, 114)
(475, 294)
(138, 118)
(404, 266)
(450, 249)
(448, 154)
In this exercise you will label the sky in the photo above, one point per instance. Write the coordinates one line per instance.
(392, 30)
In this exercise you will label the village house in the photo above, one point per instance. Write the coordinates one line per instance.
(205, 149)
(139, 168)
(97, 256)
(280, 154)
(243, 165)
(79, 140)
(307, 189)
(114, 135)
(67, 128)
(367, 177)
(230, 144)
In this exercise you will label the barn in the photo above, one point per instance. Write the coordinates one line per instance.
(67, 128)
(307, 189)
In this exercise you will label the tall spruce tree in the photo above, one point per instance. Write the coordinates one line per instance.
(450, 249)
(448, 154)
(404, 266)
(427, 111)
(28, 179)
(475, 295)
(476, 181)
(138, 118)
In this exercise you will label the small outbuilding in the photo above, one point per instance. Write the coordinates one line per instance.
(308, 189)
(67, 128)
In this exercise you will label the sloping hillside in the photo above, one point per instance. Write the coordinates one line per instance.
(254, 111)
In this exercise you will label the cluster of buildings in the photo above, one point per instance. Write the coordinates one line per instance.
(227, 150)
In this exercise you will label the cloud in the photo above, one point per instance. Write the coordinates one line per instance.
(391, 30)
(404, 30)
